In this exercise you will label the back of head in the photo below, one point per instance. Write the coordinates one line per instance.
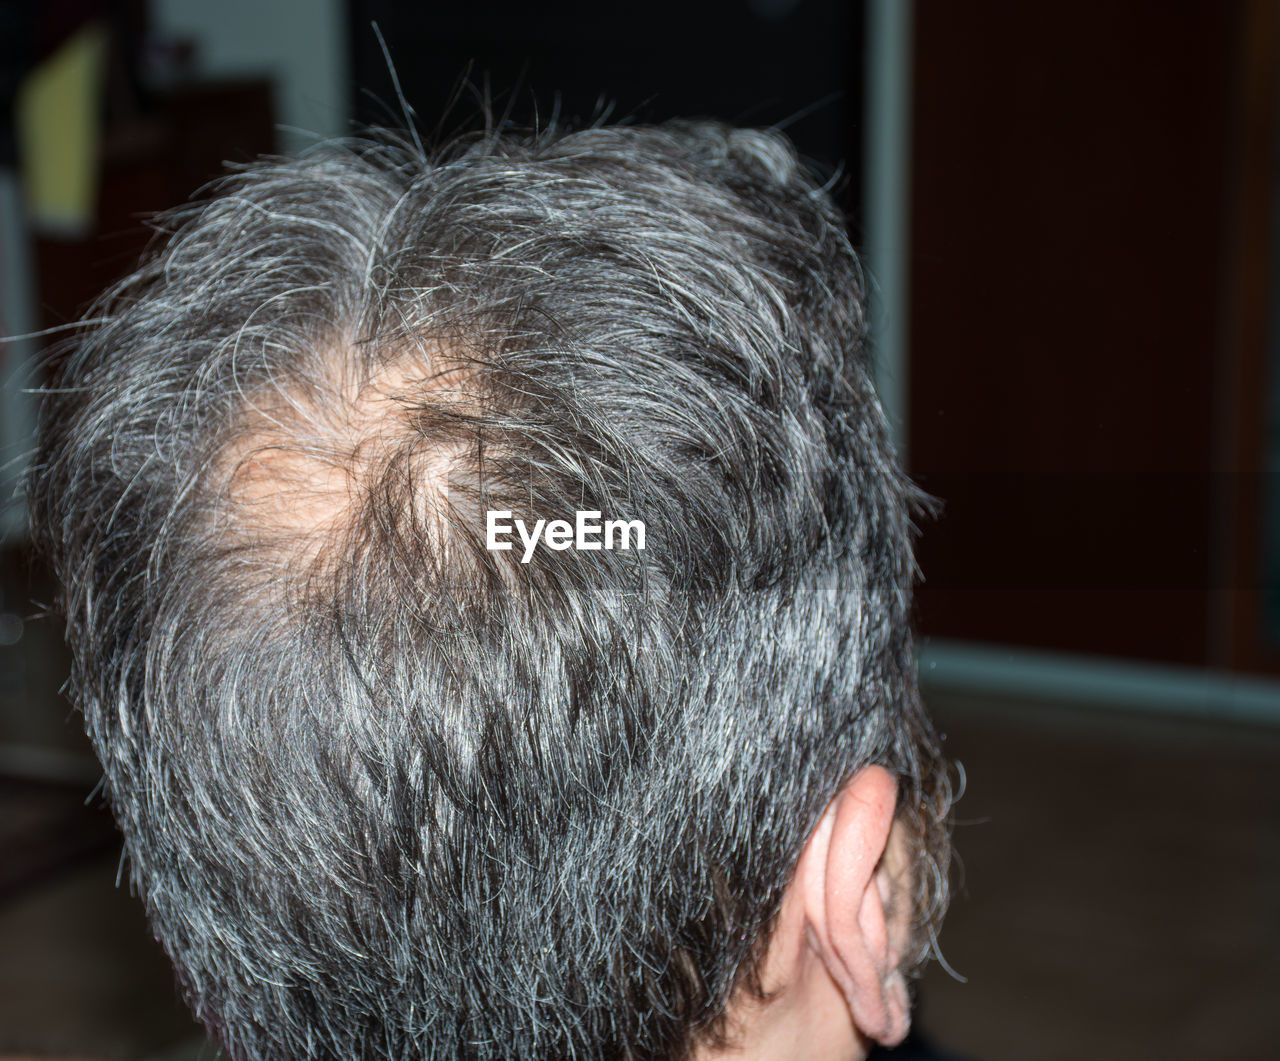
(388, 792)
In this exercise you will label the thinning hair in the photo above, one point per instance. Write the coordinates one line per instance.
(387, 793)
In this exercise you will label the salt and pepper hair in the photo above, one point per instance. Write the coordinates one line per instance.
(386, 793)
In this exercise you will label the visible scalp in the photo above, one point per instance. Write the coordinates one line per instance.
(301, 455)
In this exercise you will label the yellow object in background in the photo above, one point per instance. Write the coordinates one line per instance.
(59, 127)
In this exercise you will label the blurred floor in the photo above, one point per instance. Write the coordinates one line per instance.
(1121, 878)
(80, 975)
(1121, 887)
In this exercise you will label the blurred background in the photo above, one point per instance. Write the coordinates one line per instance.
(1070, 217)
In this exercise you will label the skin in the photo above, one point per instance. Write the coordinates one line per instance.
(832, 973)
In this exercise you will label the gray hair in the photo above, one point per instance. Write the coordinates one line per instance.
(387, 793)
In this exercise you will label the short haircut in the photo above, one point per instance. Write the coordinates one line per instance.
(387, 793)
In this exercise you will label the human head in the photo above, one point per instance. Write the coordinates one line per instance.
(386, 792)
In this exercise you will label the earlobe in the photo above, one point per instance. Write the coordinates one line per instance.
(849, 902)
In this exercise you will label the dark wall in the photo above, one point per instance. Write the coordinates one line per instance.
(1079, 371)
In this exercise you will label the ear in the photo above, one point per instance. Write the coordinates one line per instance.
(847, 882)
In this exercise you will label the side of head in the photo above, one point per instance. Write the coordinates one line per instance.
(386, 792)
